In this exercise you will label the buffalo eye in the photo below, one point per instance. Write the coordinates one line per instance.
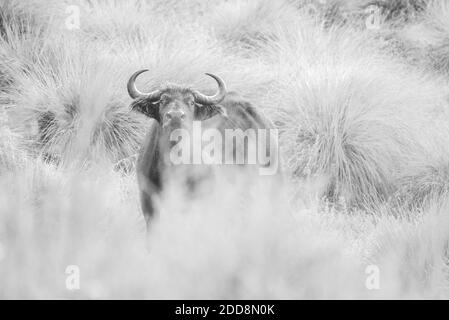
(164, 99)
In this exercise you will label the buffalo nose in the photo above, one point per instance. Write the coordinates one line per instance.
(179, 115)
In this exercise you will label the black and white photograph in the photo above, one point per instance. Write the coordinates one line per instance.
(224, 150)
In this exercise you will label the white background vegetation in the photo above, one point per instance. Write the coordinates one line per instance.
(363, 116)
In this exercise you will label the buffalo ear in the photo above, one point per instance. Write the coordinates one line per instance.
(204, 112)
(146, 107)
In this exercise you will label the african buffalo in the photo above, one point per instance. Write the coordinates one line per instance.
(174, 107)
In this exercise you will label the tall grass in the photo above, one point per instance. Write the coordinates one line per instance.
(353, 113)
(362, 140)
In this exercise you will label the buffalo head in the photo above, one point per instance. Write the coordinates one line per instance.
(175, 106)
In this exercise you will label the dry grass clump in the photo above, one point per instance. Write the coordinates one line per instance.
(349, 114)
